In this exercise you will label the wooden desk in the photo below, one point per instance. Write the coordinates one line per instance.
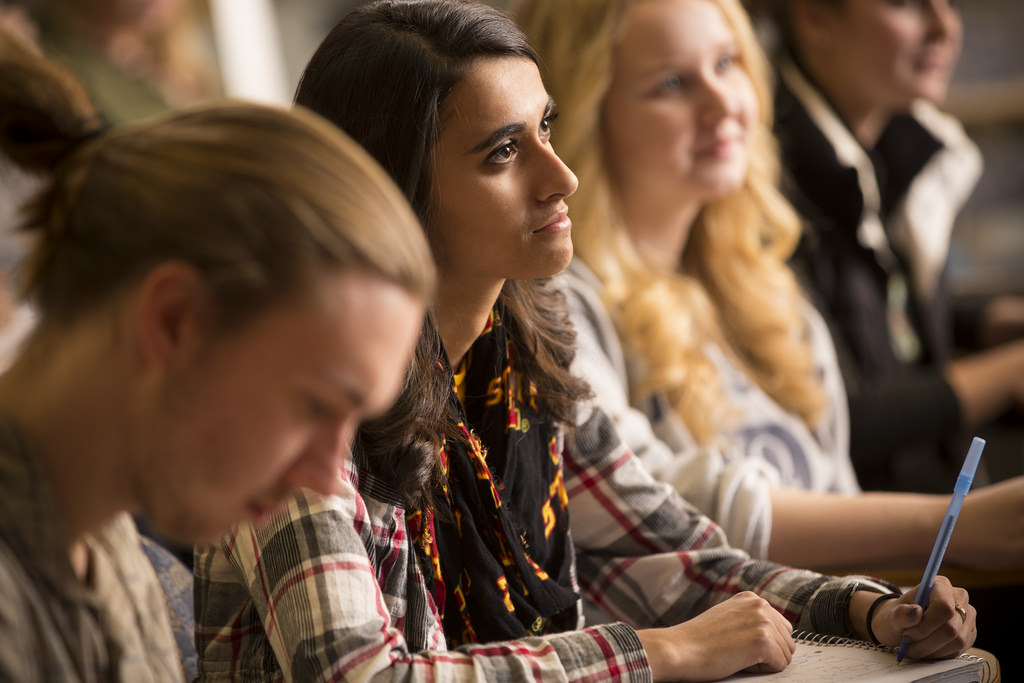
(958, 576)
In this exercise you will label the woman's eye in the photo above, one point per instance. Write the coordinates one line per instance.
(671, 83)
(725, 62)
(547, 124)
(675, 85)
(503, 154)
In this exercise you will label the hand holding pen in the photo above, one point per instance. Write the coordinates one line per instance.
(939, 622)
(963, 485)
(943, 629)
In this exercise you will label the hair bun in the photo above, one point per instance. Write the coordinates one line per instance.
(91, 129)
(45, 113)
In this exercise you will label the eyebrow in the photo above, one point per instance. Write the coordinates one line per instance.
(507, 131)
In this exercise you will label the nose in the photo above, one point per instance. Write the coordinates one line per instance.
(558, 180)
(717, 101)
(317, 468)
(943, 20)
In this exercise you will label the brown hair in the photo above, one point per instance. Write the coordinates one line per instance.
(382, 75)
(259, 200)
(776, 18)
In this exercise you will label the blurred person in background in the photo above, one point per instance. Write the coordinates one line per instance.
(16, 185)
(880, 174)
(136, 58)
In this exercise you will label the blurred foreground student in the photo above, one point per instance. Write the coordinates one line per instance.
(222, 295)
(479, 511)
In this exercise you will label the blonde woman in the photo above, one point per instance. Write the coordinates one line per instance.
(693, 331)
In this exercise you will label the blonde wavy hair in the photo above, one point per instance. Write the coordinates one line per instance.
(733, 286)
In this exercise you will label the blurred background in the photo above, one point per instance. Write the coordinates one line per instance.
(138, 57)
(988, 97)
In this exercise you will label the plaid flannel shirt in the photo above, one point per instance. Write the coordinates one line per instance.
(330, 589)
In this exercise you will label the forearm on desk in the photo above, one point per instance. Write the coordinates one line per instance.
(987, 383)
(830, 530)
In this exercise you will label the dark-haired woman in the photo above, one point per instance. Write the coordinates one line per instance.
(475, 514)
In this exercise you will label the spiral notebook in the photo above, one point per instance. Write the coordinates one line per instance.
(819, 659)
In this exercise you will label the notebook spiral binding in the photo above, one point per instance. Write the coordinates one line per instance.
(825, 639)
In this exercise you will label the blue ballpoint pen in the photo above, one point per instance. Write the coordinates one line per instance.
(963, 484)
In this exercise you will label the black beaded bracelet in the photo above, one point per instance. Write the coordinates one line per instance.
(871, 612)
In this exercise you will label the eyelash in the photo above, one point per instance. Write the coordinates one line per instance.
(673, 82)
(506, 152)
(547, 124)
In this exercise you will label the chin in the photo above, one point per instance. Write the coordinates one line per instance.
(548, 264)
(924, 86)
(566, 257)
(936, 94)
(186, 531)
(722, 179)
(561, 261)
(721, 188)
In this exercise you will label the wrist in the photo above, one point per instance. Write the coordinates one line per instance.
(857, 612)
(871, 613)
(658, 655)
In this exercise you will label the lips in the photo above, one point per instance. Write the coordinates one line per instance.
(936, 58)
(932, 65)
(557, 223)
(720, 147)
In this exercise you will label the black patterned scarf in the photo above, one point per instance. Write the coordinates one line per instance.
(500, 569)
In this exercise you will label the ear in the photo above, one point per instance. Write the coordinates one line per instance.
(173, 315)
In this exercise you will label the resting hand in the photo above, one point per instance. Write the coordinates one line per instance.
(940, 632)
(744, 633)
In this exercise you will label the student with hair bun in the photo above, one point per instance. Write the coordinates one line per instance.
(222, 295)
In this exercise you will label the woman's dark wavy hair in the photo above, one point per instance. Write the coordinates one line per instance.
(382, 74)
